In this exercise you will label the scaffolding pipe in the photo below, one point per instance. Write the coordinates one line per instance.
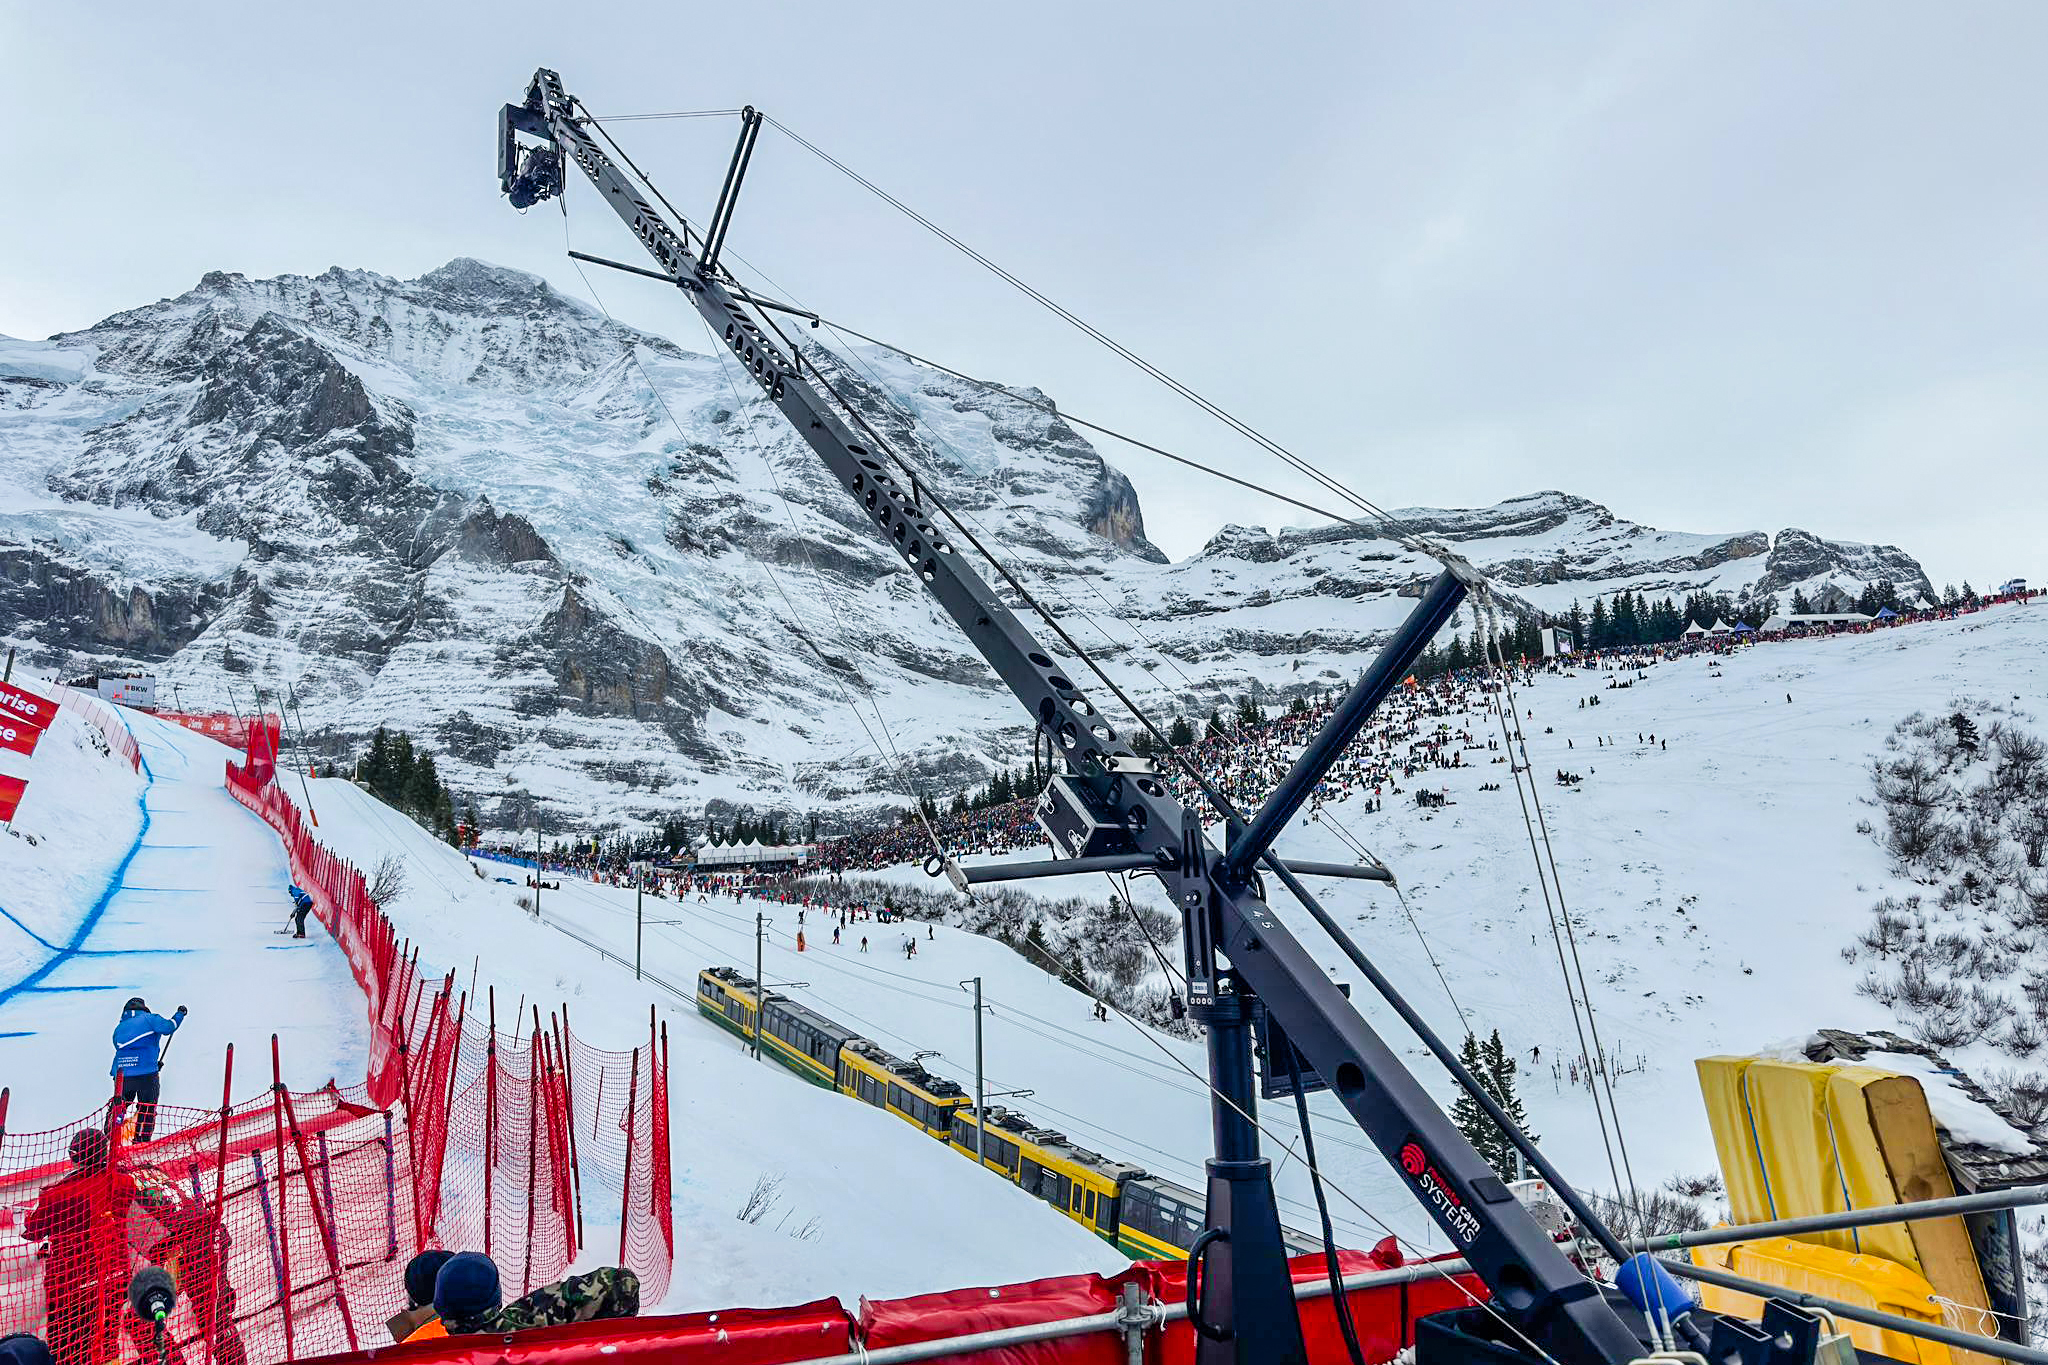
(2019, 1196)
(1927, 1331)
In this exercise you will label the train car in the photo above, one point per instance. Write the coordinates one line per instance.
(1079, 1183)
(728, 1000)
(803, 1040)
(1142, 1215)
(1160, 1221)
(872, 1075)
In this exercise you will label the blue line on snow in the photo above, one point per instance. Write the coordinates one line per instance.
(99, 908)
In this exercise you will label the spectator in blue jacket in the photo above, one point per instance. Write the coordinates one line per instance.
(137, 1052)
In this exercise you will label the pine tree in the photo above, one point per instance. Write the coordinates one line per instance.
(1500, 1070)
(1215, 726)
(1479, 1130)
(1800, 606)
(1181, 734)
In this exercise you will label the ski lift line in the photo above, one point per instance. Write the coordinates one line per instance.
(1096, 334)
(1605, 1078)
(1054, 410)
(1509, 717)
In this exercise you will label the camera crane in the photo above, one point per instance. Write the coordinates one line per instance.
(1110, 811)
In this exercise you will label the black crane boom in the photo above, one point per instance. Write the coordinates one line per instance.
(1237, 948)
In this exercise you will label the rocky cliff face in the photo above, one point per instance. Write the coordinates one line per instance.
(597, 573)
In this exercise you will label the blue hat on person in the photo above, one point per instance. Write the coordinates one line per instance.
(24, 1348)
(466, 1287)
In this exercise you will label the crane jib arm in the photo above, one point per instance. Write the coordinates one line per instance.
(1534, 1286)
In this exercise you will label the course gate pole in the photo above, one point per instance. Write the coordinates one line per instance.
(533, 1119)
(568, 1065)
(626, 1183)
(284, 1241)
(323, 1225)
(490, 1111)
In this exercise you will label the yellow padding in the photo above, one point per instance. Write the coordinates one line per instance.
(1866, 1281)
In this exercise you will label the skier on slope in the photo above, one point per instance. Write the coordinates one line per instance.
(137, 1055)
(302, 905)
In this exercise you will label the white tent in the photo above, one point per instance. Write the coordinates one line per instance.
(1693, 629)
(1721, 628)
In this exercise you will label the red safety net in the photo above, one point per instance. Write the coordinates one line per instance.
(287, 1220)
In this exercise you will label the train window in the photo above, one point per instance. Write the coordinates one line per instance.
(1058, 1190)
(1088, 1205)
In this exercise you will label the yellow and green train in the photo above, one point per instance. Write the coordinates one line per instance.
(1141, 1214)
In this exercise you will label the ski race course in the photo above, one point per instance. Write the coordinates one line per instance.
(175, 893)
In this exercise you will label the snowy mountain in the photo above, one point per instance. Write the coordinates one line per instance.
(593, 569)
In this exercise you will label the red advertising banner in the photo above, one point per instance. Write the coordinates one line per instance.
(11, 789)
(231, 730)
(18, 737)
(26, 707)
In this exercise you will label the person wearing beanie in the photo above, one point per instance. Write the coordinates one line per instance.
(466, 1293)
(419, 1293)
(24, 1348)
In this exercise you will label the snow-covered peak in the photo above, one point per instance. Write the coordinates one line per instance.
(594, 568)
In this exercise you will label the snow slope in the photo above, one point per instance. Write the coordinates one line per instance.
(156, 885)
(894, 1213)
(1713, 881)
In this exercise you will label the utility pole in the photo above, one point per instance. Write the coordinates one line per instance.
(980, 1107)
(537, 869)
(760, 982)
(639, 922)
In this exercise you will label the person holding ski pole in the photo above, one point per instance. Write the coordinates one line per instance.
(302, 905)
(138, 1058)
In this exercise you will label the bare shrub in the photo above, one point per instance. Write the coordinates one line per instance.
(761, 1199)
(388, 880)
(2021, 1096)
(1887, 931)
(1945, 1028)
(1706, 1186)
(1662, 1212)
(2023, 1036)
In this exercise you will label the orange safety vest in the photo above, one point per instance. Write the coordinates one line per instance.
(428, 1330)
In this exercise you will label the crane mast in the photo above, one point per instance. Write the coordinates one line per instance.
(1109, 807)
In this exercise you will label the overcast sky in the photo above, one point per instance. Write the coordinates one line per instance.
(1721, 267)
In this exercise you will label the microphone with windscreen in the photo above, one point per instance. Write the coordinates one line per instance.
(152, 1293)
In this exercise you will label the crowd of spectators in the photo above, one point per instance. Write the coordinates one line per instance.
(1443, 722)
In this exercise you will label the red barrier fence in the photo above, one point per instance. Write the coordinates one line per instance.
(230, 729)
(540, 1128)
(102, 718)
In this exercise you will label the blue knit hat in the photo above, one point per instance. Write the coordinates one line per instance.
(466, 1287)
(419, 1276)
(24, 1349)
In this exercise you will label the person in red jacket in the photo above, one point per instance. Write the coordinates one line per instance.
(83, 1219)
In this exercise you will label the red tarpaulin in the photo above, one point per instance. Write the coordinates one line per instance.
(957, 1312)
(11, 789)
(737, 1336)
